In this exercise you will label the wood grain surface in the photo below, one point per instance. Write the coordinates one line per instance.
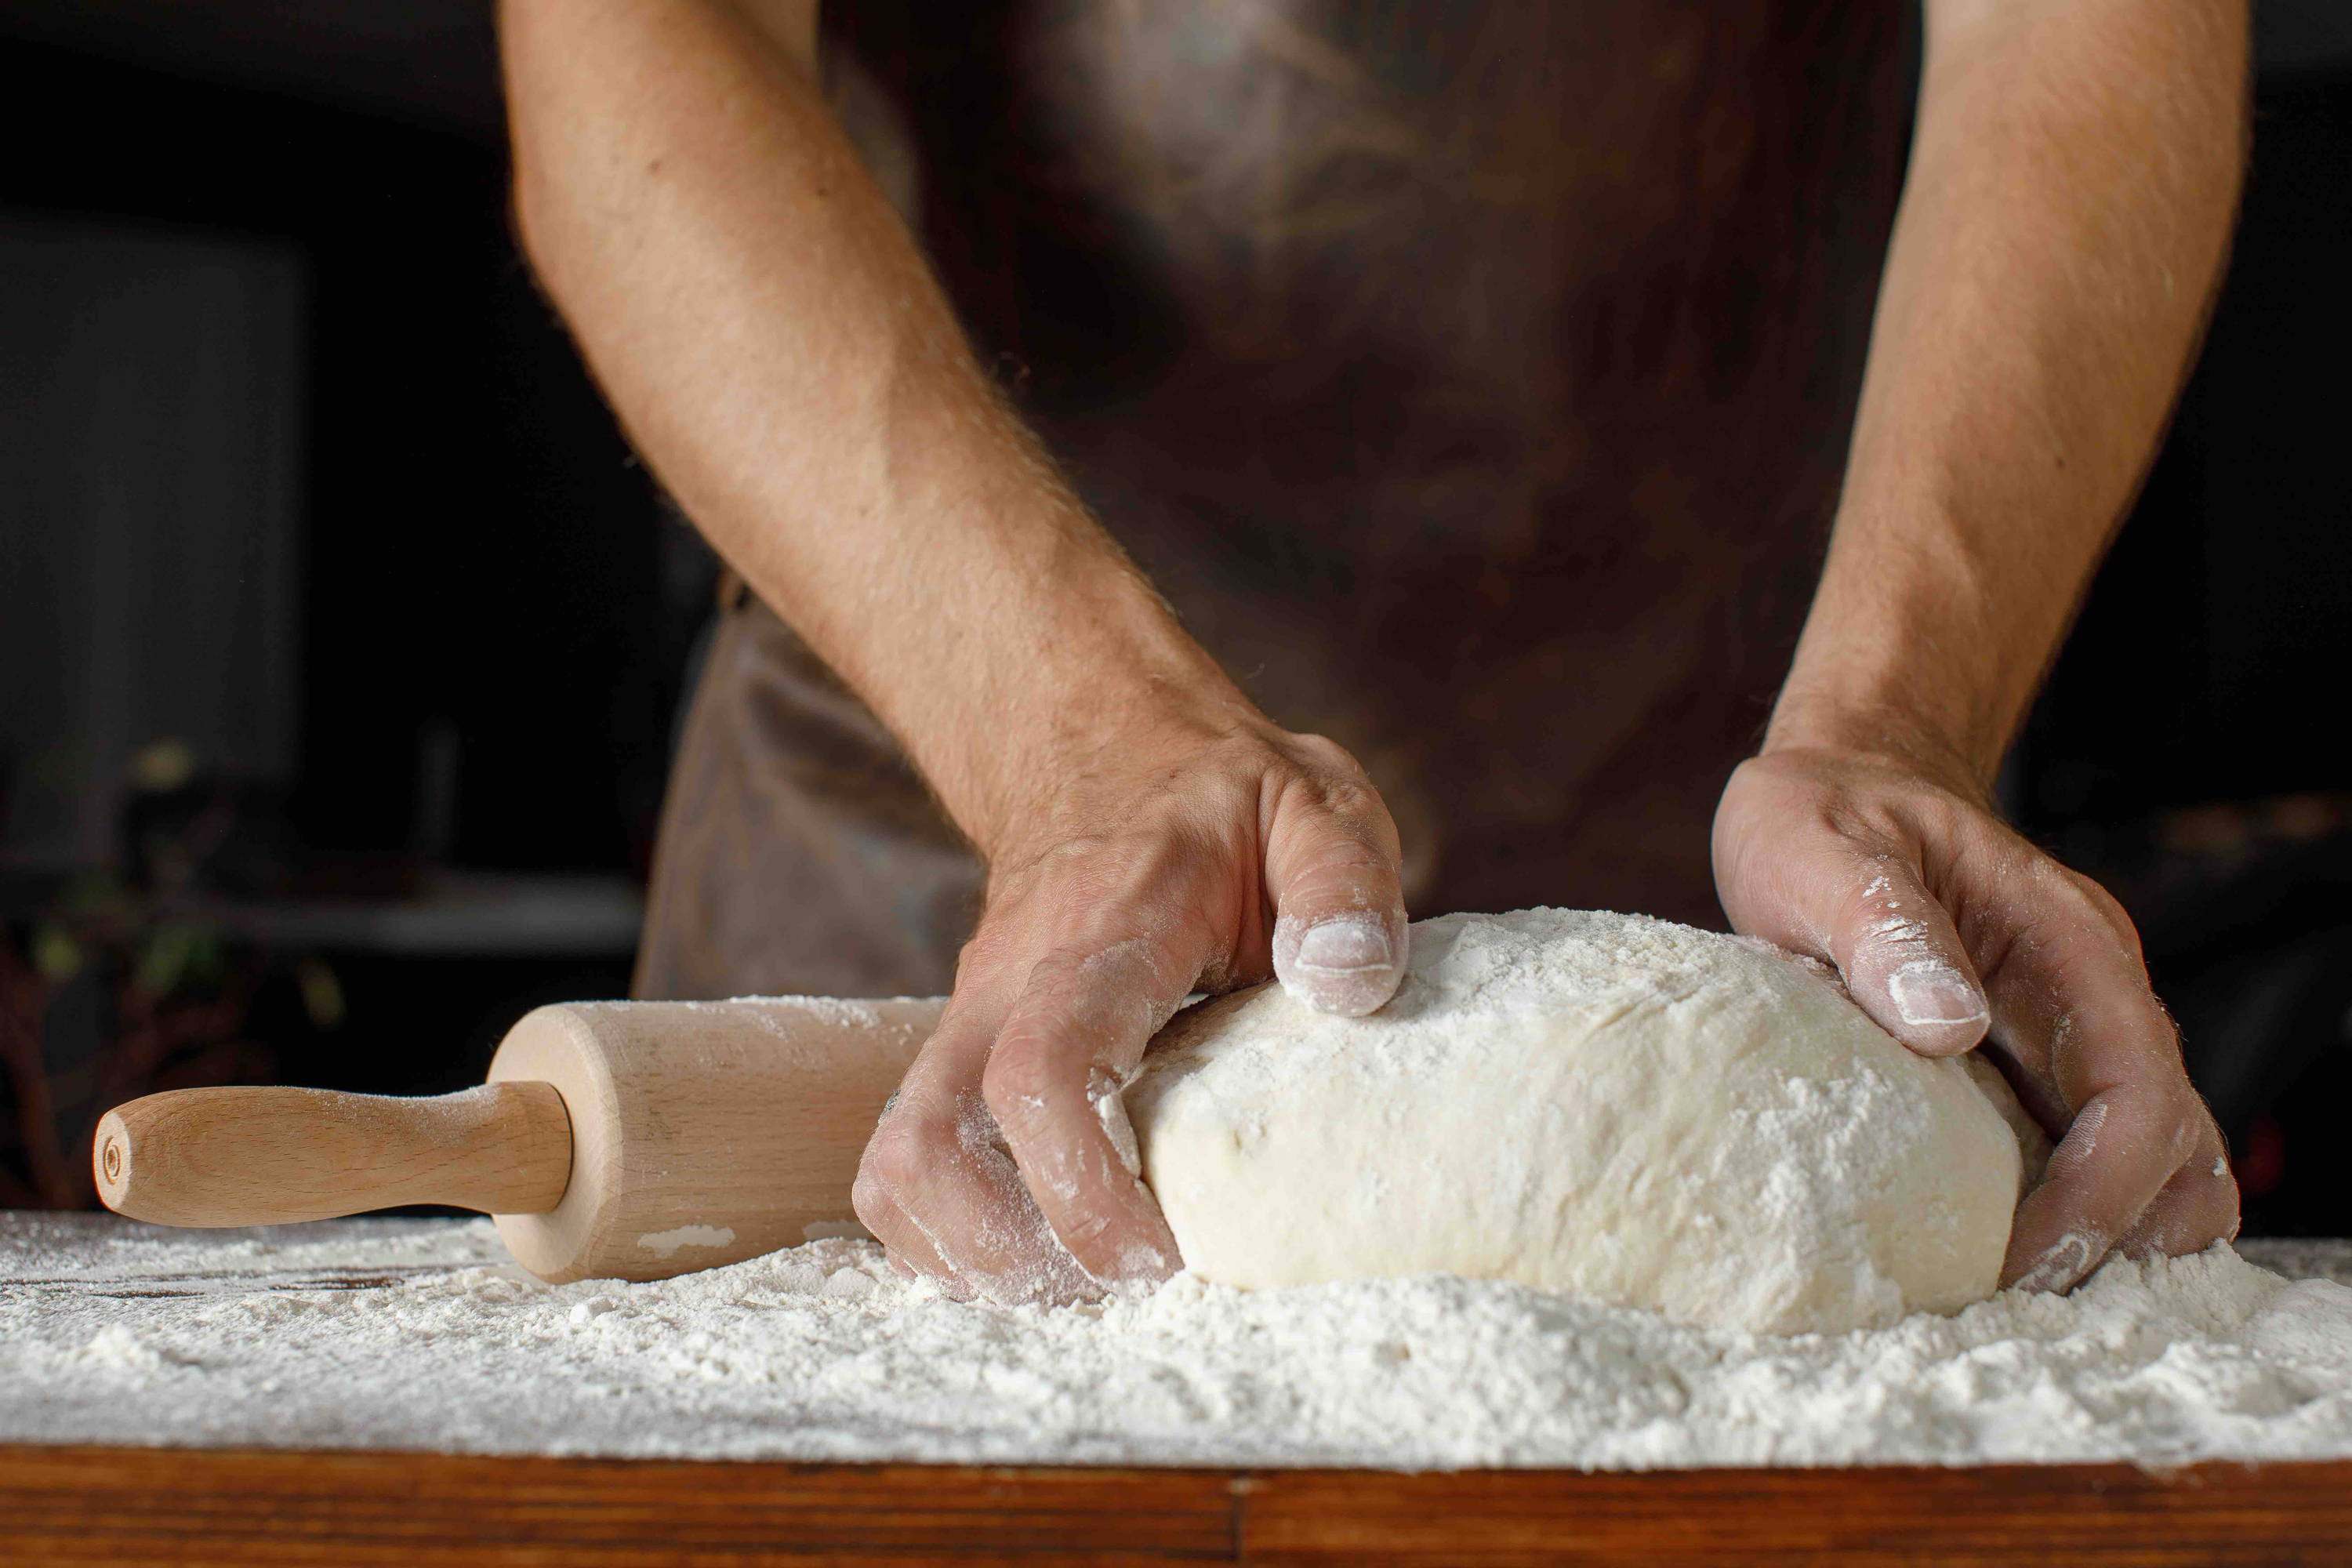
(704, 1133)
(614, 1140)
(90, 1505)
(275, 1155)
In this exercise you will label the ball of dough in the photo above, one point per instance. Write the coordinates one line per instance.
(1606, 1104)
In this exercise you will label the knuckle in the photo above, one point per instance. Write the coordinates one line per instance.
(1219, 776)
(1321, 757)
(1346, 803)
(2097, 904)
(1322, 749)
(2088, 890)
(1955, 842)
(993, 943)
(2062, 890)
(886, 1177)
(1332, 768)
(1018, 1081)
(871, 1199)
(892, 1163)
(1349, 797)
(1861, 821)
(905, 1157)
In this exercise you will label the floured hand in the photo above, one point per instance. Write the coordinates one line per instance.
(1198, 860)
(1950, 928)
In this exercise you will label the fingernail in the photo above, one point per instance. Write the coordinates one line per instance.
(2064, 1263)
(1929, 991)
(1344, 946)
(1345, 965)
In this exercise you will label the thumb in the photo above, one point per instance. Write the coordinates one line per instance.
(1893, 943)
(1333, 873)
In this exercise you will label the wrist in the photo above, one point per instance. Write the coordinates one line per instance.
(1888, 730)
(1083, 775)
(1111, 690)
(1931, 681)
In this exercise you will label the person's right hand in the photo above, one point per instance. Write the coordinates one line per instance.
(1197, 858)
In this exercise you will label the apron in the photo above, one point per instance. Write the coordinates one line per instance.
(1474, 380)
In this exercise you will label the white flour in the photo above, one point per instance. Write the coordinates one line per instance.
(1604, 1104)
(120, 1333)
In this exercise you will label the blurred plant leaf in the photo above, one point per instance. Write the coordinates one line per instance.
(166, 956)
(55, 953)
(322, 993)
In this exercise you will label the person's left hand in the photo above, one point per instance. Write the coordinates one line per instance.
(1946, 924)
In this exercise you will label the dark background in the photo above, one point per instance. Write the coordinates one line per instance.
(495, 614)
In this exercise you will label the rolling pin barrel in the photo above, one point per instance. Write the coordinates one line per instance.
(705, 1132)
(614, 1140)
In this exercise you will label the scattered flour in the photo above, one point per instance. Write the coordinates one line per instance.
(667, 1243)
(417, 1334)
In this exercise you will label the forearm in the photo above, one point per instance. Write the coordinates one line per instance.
(2063, 225)
(776, 347)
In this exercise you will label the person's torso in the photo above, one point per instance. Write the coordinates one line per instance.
(1474, 379)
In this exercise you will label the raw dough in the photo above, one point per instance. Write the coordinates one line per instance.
(1600, 1103)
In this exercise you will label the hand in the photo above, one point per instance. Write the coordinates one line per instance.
(1943, 922)
(1193, 861)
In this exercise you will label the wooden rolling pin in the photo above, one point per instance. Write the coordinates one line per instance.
(614, 1140)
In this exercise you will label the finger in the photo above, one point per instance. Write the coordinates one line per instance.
(2071, 1001)
(916, 1130)
(937, 1187)
(958, 1214)
(1867, 912)
(1334, 872)
(2197, 1207)
(2120, 1151)
(1053, 1082)
(907, 1177)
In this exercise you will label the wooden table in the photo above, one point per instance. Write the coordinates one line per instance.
(69, 1505)
(62, 1504)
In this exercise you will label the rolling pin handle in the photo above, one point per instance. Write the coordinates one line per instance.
(278, 1156)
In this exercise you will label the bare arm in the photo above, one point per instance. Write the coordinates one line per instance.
(2063, 230)
(778, 349)
(779, 352)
